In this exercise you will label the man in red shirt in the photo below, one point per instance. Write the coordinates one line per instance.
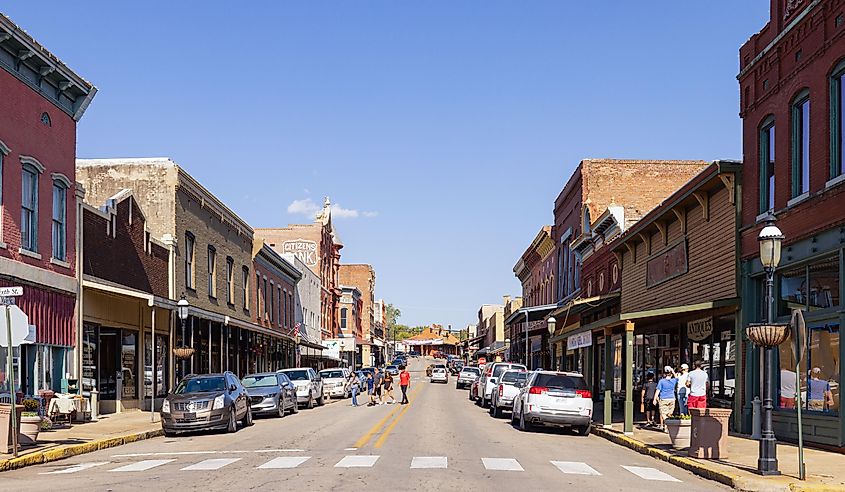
(404, 382)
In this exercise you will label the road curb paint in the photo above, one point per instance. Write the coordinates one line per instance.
(63, 452)
(703, 470)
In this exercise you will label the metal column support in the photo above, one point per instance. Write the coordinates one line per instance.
(608, 377)
(628, 376)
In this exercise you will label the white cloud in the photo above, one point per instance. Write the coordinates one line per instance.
(305, 207)
(309, 208)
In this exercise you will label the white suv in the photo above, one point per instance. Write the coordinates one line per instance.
(309, 385)
(334, 382)
(508, 388)
(554, 398)
(489, 380)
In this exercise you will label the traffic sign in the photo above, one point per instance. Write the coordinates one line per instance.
(11, 291)
(20, 326)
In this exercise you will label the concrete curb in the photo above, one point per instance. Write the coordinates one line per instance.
(704, 470)
(63, 452)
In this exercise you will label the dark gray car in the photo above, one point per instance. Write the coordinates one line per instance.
(270, 393)
(203, 402)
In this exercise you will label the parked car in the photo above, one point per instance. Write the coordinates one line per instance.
(509, 384)
(456, 367)
(554, 399)
(270, 392)
(204, 402)
(334, 382)
(473, 389)
(467, 375)
(439, 374)
(309, 385)
(393, 370)
(489, 379)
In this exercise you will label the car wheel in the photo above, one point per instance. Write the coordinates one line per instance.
(248, 417)
(280, 405)
(583, 430)
(497, 412)
(513, 416)
(310, 401)
(523, 425)
(491, 409)
(169, 433)
(233, 420)
(321, 400)
(295, 407)
(485, 402)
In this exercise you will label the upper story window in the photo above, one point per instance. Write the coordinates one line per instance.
(767, 165)
(801, 144)
(245, 285)
(59, 224)
(29, 205)
(272, 310)
(837, 121)
(257, 295)
(280, 317)
(285, 302)
(4, 151)
(343, 315)
(230, 280)
(189, 260)
(212, 271)
(264, 298)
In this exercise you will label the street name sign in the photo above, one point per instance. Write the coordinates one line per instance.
(11, 291)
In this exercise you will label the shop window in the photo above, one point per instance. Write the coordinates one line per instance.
(811, 287)
(767, 165)
(801, 145)
(158, 365)
(129, 368)
(818, 374)
(89, 359)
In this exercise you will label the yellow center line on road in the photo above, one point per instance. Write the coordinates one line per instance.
(390, 427)
(360, 443)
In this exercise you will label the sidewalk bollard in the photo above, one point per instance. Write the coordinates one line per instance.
(756, 423)
(95, 405)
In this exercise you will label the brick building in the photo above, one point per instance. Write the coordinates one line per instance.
(490, 330)
(354, 347)
(126, 310)
(274, 307)
(318, 246)
(363, 277)
(536, 271)
(791, 80)
(42, 102)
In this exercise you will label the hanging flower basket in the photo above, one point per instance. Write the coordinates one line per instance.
(183, 352)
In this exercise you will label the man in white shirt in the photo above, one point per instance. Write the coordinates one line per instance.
(697, 387)
(682, 390)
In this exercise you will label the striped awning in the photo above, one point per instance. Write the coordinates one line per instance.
(49, 311)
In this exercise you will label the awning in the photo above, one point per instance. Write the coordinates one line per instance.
(533, 313)
(577, 306)
(306, 343)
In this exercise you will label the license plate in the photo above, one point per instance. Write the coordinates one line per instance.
(189, 416)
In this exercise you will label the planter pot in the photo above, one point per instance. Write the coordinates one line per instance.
(679, 432)
(6, 426)
(30, 427)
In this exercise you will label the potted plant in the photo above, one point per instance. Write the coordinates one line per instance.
(30, 422)
(679, 430)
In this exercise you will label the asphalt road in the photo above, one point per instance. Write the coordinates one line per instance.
(441, 441)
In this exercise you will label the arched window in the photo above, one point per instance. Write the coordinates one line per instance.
(767, 164)
(801, 143)
(59, 220)
(31, 171)
(4, 151)
(837, 123)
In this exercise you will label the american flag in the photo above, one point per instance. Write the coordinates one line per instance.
(296, 329)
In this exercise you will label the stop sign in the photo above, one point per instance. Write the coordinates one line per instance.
(20, 325)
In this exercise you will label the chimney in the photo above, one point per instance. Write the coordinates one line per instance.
(507, 299)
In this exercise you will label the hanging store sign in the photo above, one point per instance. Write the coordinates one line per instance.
(667, 265)
(580, 340)
(700, 329)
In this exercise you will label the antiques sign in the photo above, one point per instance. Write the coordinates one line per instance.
(304, 249)
(668, 265)
(700, 329)
(580, 340)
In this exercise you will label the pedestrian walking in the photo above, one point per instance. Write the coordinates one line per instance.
(354, 384)
(665, 397)
(388, 388)
(378, 383)
(404, 383)
(698, 381)
(821, 397)
(649, 391)
(371, 389)
(683, 389)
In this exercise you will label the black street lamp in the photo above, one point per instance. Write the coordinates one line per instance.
(183, 352)
(767, 336)
(551, 324)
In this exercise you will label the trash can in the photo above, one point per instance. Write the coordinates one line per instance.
(709, 436)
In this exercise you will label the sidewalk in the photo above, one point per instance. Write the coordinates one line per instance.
(64, 442)
(825, 470)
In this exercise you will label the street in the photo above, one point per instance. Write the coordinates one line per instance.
(441, 441)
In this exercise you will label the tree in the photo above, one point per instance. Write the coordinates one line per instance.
(391, 315)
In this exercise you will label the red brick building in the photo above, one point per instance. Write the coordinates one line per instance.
(42, 102)
(791, 79)
(536, 271)
(363, 277)
(274, 306)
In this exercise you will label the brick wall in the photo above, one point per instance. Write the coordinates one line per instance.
(364, 278)
(126, 256)
(278, 312)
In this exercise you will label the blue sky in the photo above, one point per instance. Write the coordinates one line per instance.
(442, 130)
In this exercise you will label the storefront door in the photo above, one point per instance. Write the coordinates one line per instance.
(109, 371)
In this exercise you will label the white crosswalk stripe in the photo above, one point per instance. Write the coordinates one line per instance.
(429, 462)
(76, 468)
(141, 465)
(575, 468)
(357, 461)
(501, 464)
(212, 464)
(650, 473)
(284, 462)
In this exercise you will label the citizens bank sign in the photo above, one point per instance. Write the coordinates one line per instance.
(305, 250)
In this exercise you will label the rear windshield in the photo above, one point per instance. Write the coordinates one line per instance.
(331, 374)
(512, 377)
(560, 381)
(498, 370)
(473, 370)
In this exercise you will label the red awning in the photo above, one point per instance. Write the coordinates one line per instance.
(51, 312)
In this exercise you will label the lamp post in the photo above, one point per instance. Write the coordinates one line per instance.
(767, 336)
(551, 324)
(183, 351)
